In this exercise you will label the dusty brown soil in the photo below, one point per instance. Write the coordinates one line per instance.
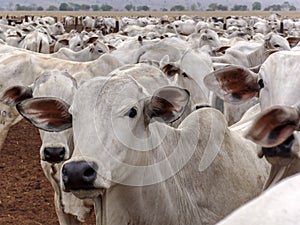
(26, 196)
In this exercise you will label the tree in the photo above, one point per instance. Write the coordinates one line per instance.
(221, 7)
(239, 8)
(164, 9)
(85, 7)
(178, 8)
(106, 7)
(129, 7)
(212, 7)
(275, 7)
(142, 8)
(52, 8)
(64, 7)
(95, 7)
(256, 6)
(40, 8)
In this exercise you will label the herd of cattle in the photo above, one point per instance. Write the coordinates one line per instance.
(167, 121)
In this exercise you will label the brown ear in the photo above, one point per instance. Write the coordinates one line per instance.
(170, 70)
(293, 41)
(221, 49)
(15, 95)
(234, 84)
(49, 114)
(92, 40)
(64, 42)
(167, 104)
(274, 126)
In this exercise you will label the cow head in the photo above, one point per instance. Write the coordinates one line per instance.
(276, 128)
(57, 146)
(188, 73)
(111, 129)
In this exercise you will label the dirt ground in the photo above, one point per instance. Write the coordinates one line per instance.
(26, 196)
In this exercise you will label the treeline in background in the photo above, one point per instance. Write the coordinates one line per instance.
(256, 6)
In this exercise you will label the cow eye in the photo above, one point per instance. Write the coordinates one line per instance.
(276, 46)
(261, 83)
(132, 112)
(185, 75)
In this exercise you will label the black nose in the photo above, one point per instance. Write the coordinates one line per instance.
(54, 154)
(79, 175)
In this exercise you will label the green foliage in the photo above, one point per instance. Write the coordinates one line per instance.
(32, 7)
(217, 7)
(178, 8)
(52, 8)
(275, 7)
(64, 7)
(106, 7)
(85, 7)
(142, 8)
(129, 7)
(239, 8)
(95, 7)
(256, 6)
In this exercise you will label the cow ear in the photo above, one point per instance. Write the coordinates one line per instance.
(49, 114)
(293, 41)
(274, 126)
(111, 48)
(170, 70)
(64, 42)
(233, 84)
(15, 95)
(92, 39)
(221, 49)
(167, 104)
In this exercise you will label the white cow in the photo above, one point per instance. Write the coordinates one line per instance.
(91, 52)
(56, 146)
(275, 129)
(23, 67)
(272, 42)
(56, 29)
(276, 206)
(120, 147)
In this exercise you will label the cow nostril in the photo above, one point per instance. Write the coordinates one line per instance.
(89, 175)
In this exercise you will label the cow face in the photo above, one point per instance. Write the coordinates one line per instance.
(58, 146)
(128, 135)
(188, 73)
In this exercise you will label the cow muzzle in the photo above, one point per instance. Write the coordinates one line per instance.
(54, 154)
(79, 175)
